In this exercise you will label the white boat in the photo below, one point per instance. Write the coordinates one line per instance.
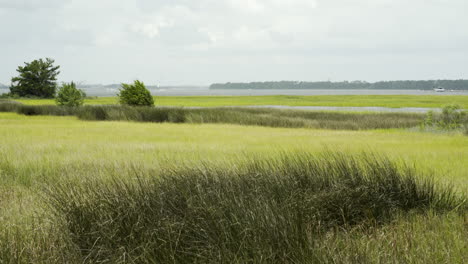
(440, 89)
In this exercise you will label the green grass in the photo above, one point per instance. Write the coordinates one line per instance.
(269, 210)
(395, 101)
(32, 144)
(40, 153)
(226, 115)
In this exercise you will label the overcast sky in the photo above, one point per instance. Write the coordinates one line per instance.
(205, 41)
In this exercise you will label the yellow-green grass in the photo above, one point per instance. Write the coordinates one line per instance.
(40, 143)
(39, 151)
(394, 101)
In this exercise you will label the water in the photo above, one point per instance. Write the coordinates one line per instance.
(174, 91)
(205, 92)
(353, 109)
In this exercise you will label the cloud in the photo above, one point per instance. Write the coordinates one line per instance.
(205, 41)
(31, 5)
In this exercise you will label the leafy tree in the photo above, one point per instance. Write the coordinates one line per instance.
(37, 78)
(69, 95)
(135, 94)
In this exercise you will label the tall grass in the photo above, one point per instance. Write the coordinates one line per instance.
(12, 106)
(241, 116)
(263, 211)
(308, 119)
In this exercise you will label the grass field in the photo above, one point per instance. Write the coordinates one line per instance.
(43, 154)
(395, 101)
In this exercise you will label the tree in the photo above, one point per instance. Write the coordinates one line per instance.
(37, 78)
(135, 94)
(69, 95)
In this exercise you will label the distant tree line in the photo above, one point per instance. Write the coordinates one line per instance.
(390, 85)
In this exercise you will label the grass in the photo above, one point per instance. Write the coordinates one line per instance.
(395, 101)
(261, 211)
(225, 115)
(62, 153)
(37, 145)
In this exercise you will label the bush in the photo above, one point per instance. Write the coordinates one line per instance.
(69, 95)
(135, 94)
(452, 117)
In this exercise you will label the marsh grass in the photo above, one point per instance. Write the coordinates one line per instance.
(307, 119)
(261, 211)
(432, 101)
(226, 115)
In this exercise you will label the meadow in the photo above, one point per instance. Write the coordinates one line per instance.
(394, 101)
(82, 191)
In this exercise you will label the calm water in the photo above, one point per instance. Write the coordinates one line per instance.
(205, 91)
(353, 109)
(201, 92)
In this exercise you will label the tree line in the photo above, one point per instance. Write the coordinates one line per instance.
(382, 85)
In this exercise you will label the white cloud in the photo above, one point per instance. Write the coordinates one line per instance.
(206, 41)
(31, 4)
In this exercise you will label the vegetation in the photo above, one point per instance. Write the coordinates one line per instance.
(69, 95)
(268, 211)
(451, 118)
(394, 85)
(87, 160)
(36, 79)
(434, 101)
(240, 116)
(135, 94)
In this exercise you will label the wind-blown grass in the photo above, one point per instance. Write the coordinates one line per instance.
(241, 116)
(268, 211)
(48, 152)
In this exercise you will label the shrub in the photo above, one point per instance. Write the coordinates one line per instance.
(135, 94)
(69, 95)
(452, 117)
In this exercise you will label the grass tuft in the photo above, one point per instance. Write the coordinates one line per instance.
(274, 210)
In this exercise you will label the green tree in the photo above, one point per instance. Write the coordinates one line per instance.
(37, 78)
(69, 95)
(135, 94)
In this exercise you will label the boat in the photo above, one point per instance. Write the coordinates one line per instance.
(439, 89)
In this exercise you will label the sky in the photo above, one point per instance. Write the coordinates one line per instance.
(199, 42)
